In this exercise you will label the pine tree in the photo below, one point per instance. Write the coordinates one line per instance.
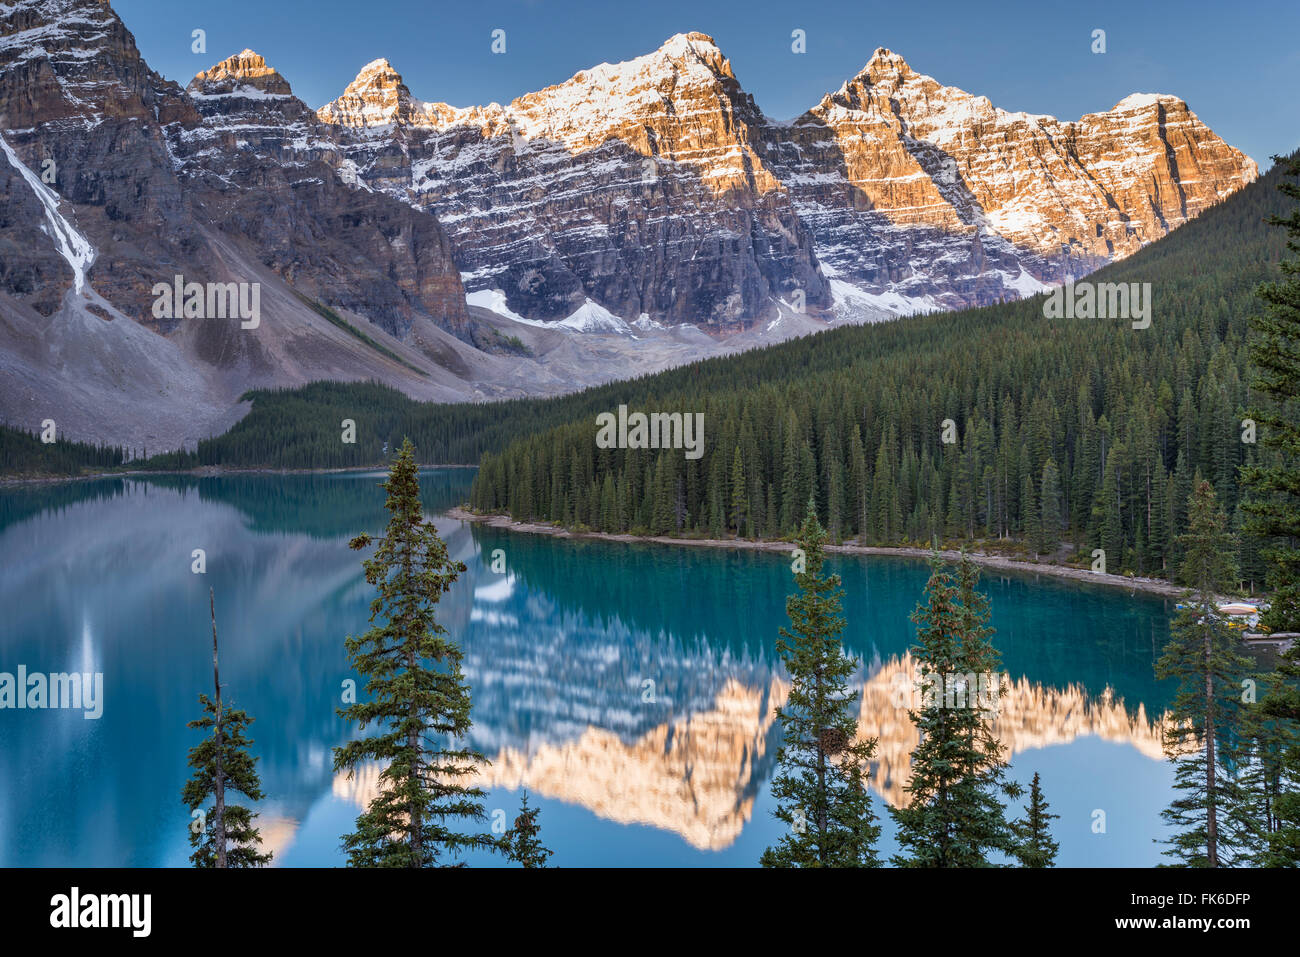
(1035, 847)
(1274, 509)
(221, 763)
(1051, 511)
(239, 773)
(522, 842)
(419, 701)
(1274, 503)
(1202, 656)
(739, 494)
(1269, 776)
(821, 786)
(954, 816)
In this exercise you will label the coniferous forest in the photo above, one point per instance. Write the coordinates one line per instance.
(1086, 432)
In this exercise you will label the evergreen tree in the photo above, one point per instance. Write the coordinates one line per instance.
(419, 701)
(1035, 847)
(1202, 657)
(522, 842)
(226, 837)
(1275, 354)
(1051, 510)
(954, 816)
(239, 773)
(1269, 776)
(1274, 505)
(739, 494)
(821, 785)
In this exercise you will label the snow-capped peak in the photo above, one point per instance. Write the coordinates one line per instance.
(694, 44)
(376, 97)
(1138, 101)
(885, 61)
(245, 69)
(375, 69)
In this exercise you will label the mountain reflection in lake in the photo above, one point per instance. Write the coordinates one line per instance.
(629, 688)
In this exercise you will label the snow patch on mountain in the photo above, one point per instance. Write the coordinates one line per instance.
(73, 246)
(855, 304)
(590, 317)
(593, 317)
(494, 300)
(1025, 284)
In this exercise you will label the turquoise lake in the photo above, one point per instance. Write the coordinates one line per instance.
(629, 688)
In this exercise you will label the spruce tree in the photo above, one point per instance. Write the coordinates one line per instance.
(1034, 844)
(1274, 503)
(821, 785)
(739, 495)
(954, 816)
(419, 703)
(1270, 777)
(522, 842)
(1213, 827)
(1051, 512)
(239, 773)
(225, 837)
(1274, 510)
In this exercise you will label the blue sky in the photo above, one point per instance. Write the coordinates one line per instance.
(1236, 65)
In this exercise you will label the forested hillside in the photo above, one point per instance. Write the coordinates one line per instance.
(1080, 430)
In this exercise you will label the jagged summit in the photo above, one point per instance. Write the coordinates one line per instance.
(691, 38)
(885, 62)
(701, 46)
(1140, 101)
(376, 97)
(683, 53)
(377, 70)
(244, 69)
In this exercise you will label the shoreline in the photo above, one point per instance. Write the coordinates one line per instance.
(1154, 586)
(206, 471)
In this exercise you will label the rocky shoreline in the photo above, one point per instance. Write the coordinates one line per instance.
(1153, 586)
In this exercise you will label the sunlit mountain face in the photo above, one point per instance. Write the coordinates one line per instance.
(630, 689)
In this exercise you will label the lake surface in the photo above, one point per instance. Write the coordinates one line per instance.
(629, 688)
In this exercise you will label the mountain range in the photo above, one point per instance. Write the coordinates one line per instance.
(636, 216)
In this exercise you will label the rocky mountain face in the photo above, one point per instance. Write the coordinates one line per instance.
(657, 188)
(83, 111)
(150, 168)
(935, 196)
(638, 186)
(268, 171)
(637, 215)
(115, 181)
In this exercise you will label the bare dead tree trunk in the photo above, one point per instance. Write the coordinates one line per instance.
(219, 825)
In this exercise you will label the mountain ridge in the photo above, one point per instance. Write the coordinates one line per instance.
(635, 216)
